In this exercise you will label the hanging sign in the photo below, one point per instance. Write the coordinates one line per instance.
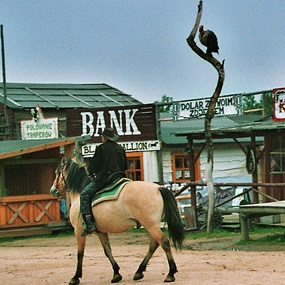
(226, 105)
(279, 104)
(39, 127)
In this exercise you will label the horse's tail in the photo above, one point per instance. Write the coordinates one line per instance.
(172, 217)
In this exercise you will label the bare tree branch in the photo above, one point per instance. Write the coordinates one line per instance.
(210, 111)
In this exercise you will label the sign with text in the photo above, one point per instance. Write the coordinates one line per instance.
(279, 104)
(132, 123)
(39, 127)
(43, 129)
(88, 150)
(226, 105)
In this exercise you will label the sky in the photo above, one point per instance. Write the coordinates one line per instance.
(139, 46)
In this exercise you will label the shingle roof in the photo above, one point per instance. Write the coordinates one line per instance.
(233, 126)
(61, 96)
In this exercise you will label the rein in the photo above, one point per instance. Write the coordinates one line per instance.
(70, 177)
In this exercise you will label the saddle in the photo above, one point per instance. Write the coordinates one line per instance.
(110, 192)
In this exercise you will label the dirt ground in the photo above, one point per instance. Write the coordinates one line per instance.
(52, 261)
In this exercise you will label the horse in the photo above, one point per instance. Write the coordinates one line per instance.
(139, 203)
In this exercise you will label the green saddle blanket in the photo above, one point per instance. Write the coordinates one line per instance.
(110, 192)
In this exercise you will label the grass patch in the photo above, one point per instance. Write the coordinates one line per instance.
(273, 239)
(266, 236)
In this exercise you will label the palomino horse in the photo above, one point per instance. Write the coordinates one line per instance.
(139, 202)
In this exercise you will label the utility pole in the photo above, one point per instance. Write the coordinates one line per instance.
(5, 121)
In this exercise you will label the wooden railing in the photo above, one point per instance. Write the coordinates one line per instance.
(28, 210)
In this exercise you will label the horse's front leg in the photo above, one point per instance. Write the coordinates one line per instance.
(81, 241)
(104, 239)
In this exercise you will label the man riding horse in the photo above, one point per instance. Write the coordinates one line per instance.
(108, 164)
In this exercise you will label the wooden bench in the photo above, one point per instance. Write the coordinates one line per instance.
(258, 210)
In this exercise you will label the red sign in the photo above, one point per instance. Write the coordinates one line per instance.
(279, 104)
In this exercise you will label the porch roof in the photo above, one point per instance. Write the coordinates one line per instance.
(174, 132)
(235, 126)
(226, 127)
(14, 148)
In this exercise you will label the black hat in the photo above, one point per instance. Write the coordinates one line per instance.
(110, 134)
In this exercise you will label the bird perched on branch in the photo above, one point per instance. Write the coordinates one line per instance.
(208, 39)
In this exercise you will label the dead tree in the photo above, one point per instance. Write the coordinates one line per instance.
(210, 113)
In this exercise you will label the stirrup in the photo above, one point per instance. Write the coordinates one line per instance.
(87, 232)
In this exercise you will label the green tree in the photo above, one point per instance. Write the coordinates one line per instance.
(261, 103)
(165, 105)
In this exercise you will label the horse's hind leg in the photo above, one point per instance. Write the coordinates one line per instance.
(158, 238)
(104, 239)
(165, 244)
(153, 245)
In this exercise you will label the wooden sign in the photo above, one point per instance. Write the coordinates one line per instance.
(132, 123)
(39, 127)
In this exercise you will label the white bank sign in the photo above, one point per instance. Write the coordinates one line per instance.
(226, 105)
(88, 150)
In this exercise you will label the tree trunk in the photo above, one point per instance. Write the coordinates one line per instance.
(210, 113)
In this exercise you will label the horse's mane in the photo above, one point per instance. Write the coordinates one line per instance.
(76, 176)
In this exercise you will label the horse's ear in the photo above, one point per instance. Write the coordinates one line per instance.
(63, 161)
(78, 159)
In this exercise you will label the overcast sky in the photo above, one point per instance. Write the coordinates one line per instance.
(139, 46)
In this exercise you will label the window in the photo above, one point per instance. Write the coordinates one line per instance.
(180, 168)
(135, 166)
(277, 155)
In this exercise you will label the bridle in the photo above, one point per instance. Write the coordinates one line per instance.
(58, 181)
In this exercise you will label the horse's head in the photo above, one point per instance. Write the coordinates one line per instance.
(59, 186)
(70, 176)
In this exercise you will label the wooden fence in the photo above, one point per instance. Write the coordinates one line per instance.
(28, 210)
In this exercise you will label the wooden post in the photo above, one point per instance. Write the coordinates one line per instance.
(254, 173)
(244, 226)
(191, 160)
(267, 167)
(6, 130)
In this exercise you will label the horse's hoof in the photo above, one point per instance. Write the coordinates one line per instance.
(116, 278)
(74, 281)
(169, 278)
(138, 276)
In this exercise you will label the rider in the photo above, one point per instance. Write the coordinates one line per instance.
(108, 164)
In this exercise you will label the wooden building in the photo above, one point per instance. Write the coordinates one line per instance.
(33, 138)
(246, 144)
(136, 126)
(160, 146)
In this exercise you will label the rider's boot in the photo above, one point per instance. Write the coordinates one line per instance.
(88, 225)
